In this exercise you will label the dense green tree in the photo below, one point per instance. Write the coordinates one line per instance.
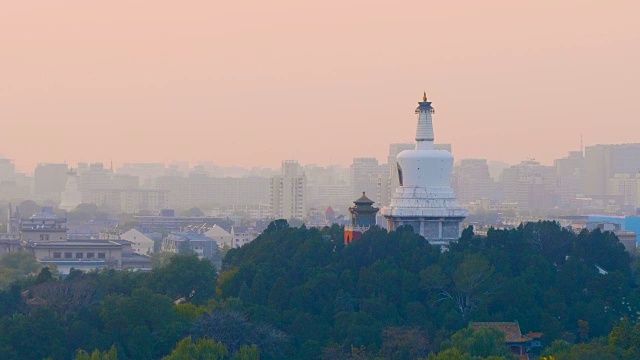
(28, 208)
(17, 265)
(279, 295)
(234, 331)
(470, 284)
(247, 352)
(86, 212)
(202, 349)
(34, 336)
(111, 354)
(299, 293)
(185, 276)
(143, 325)
(483, 342)
(193, 212)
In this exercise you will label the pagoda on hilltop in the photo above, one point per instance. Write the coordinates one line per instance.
(425, 200)
(363, 217)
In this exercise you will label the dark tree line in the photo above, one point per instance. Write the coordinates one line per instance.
(298, 293)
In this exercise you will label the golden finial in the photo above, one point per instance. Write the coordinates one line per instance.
(424, 96)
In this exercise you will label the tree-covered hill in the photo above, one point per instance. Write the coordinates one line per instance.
(298, 293)
(325, 294)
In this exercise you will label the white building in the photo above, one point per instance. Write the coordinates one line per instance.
(140, 243)
(243, 235)
(288, 192)
(425, 199)
(220, 235)
(71, 196)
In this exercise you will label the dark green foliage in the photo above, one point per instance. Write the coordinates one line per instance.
(482, 342)
(235, 331)
(112, 354)
(202, 349)
(298, 293)
(144, 325)
(185, 276)
(33, 336)
(324, 292)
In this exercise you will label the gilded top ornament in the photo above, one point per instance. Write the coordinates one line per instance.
(424, 96)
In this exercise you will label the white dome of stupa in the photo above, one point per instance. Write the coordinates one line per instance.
(425, 199)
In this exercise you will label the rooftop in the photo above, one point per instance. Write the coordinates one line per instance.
(511, 330)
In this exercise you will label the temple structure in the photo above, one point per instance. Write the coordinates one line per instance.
(363, 216)
(425, 200)
(71, 196)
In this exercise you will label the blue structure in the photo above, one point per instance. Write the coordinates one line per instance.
(627, 223)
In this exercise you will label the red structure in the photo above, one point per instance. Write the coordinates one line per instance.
(363, 217)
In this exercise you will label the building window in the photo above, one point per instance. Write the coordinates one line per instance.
(101, 256)
(68, 255)
(57, 255)
(79, 255)
(90, 255)
(44, 237)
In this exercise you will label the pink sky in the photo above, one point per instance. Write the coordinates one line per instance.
(251, 83)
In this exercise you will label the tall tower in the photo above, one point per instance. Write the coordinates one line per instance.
(71, 196)
(425, 200)
(363, 217)
(288, 193)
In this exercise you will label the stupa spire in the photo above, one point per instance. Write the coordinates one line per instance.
(424, 131)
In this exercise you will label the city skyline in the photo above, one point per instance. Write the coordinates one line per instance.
(234, 85)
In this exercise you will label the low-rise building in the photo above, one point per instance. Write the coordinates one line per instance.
(140, 243)
(168, 221)
(79, 255)
(615, 223)
(220, 235)
(43, 226)
(185, 242)
(243, 235)
(45, 236)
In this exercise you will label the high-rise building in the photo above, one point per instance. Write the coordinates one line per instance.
(473, 181)
(327, 186)
(602, 162)
(50, 180)
(14, 187)
(570, 173)
(288, 198)
(364, 173)
(425, 200)
(145, 172)
(7, 170)
(628, 187)
(530, 185)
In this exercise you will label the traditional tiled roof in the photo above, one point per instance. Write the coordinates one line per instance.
(511, 330)
(363, 200)
(535, 335)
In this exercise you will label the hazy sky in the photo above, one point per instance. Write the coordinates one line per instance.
(254, 82)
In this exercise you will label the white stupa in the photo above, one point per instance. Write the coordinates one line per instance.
(71, 196)
(425, 199)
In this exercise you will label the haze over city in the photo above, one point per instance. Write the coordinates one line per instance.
(251, 83)
(319, 180)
